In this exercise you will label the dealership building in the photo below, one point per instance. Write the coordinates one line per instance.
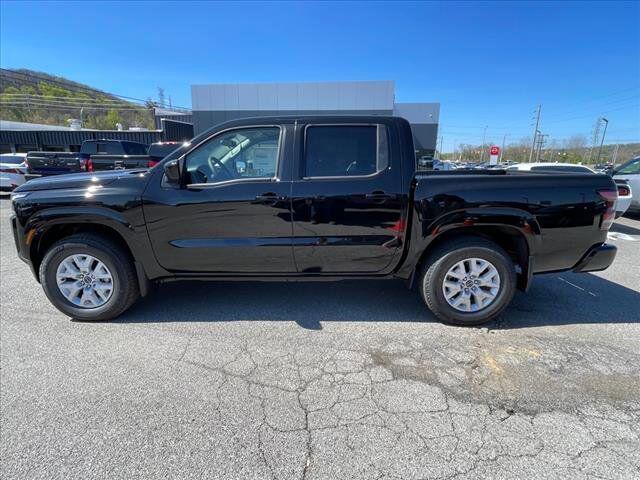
(216, 103)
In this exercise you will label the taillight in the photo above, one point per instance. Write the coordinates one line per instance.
(623, 191)
(10, 170)
(152, 163)
(610, 197)
(86, 165)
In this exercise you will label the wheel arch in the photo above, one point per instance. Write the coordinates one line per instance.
(509, 237)
(46, 235)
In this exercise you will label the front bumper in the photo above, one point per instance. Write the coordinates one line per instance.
(597, 258)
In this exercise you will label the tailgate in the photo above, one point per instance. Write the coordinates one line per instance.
(52, 163)
(119, 162)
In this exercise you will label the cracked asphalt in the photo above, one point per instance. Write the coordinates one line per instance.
(324, 380)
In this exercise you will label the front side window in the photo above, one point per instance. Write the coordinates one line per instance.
(238, 154)
(629, 168)
(345, 150)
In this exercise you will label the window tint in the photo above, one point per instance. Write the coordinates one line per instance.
(134, 148)
(631, 167)
(161, 150)
(339, 151)
(89, 147)
(243, 153)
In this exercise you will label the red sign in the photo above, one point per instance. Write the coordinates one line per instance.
(495, 151)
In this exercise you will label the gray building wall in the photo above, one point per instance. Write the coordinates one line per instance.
(217, 103)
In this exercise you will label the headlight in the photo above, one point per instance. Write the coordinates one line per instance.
(17, 196)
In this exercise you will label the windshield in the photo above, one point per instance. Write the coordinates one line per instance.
(631, 167)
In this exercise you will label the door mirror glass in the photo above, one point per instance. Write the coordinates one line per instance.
(172, 172)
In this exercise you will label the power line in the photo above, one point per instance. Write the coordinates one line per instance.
(73, 86)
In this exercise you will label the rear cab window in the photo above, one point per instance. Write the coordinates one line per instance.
(345, 150)
(134, 148)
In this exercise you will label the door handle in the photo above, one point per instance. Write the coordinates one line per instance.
(270, 197)
(378, 196)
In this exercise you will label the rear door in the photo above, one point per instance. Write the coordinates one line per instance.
(347, 199)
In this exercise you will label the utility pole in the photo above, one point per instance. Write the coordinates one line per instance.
(504, 137)
(540, 143)
(606, 123)
(440, 146)
(535, 132)
(484, 137)
(594, 138)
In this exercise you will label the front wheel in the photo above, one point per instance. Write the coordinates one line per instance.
(89, 277)
(468, 281)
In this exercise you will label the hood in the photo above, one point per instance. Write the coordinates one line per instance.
(77, 180)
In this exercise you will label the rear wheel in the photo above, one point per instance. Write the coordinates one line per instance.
(89, 278)
(468, 281)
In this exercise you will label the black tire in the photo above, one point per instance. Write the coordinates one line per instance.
(125, 283)
(444, 257)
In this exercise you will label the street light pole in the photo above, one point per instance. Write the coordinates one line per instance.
(502, 149)
(535, 133)
(606, 123)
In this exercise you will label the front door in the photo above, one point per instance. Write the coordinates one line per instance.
(233, 215)
(347, 200)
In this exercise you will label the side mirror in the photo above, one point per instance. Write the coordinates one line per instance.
(172, 172)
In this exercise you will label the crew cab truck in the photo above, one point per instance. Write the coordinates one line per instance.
(309, 198)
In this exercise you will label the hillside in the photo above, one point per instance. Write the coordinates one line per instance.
(36, 97)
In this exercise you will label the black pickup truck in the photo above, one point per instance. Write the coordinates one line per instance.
(309, 198)
(94, 155)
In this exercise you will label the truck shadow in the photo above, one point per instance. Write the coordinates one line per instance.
(627, 229)
(558, 299)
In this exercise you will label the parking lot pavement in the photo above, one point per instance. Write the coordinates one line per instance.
(324, 380)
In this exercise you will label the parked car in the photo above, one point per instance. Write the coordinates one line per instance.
(624, 190)
(94, 155)
(630, 171)
(157, 151)
(625, 196)
(550, 167)
(12, 171)
(116, 154)
(309, 198)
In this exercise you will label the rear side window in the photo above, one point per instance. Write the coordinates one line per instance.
(345, 150)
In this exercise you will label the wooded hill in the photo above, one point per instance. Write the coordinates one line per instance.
(36, 97)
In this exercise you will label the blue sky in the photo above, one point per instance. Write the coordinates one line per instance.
(486, 63)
